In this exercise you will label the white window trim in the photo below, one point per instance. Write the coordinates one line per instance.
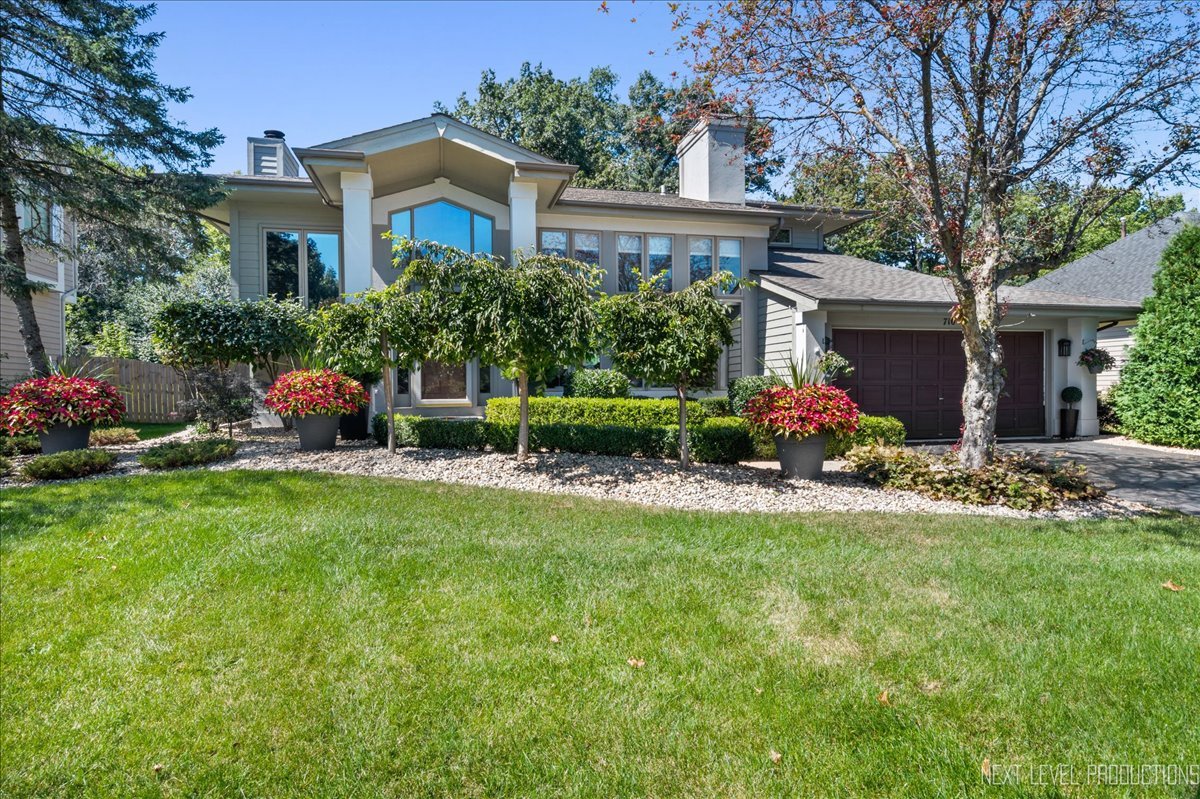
(467, 401)
(303, 232)
(790, 236)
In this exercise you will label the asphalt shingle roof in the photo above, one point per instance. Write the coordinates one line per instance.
(1124, 269)
(653, 199)
(829, 277)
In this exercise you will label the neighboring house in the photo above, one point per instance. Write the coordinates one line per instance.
(1124, 269)
(58, 272)
(310, 223)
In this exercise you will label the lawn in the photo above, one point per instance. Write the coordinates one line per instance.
(230, 634)
(148, 430)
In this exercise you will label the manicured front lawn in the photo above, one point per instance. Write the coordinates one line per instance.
(209, 634)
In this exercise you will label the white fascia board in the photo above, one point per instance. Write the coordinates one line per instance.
(650, 223)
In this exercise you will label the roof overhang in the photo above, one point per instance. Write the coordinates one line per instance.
(284, 191)
(325, 168)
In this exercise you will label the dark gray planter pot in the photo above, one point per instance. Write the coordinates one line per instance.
(1068, 422)
(1097, 369)
(801, 457)
(317, 431)
(61, 438)
(353, 426)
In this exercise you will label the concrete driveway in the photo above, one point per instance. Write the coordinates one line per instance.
(1142, 474)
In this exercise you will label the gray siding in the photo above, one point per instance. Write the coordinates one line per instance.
(806, 239)
(734, 362)
(246, 253)
(776, 332)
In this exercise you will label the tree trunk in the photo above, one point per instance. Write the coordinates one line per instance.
(684, 456)
(15, 285)
(981, 393)
(523, 427)
(389, 395)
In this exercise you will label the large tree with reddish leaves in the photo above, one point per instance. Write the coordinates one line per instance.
(967, 105)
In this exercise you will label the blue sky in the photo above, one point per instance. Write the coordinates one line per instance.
(344, 68)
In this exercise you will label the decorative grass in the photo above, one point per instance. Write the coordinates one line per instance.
(301, 635)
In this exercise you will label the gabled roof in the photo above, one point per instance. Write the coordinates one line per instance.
(436, 126)
(1124, 269)
(831, 278)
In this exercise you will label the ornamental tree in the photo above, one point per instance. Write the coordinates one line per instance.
(1158, 398)
(669, 338)
(964, 105)
(529, 318)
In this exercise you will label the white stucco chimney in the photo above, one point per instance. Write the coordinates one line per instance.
(712, 161)
(269, 155)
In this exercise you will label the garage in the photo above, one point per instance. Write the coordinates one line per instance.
(917, 376)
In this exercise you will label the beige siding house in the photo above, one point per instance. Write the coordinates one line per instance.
(309, 223)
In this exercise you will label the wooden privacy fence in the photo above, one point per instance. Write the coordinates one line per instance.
(152, 391)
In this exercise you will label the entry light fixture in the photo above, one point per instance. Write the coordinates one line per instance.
(1064, 347)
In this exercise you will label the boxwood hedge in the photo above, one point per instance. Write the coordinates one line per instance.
(593, 411)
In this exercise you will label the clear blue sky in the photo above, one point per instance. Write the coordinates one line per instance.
(344, 68)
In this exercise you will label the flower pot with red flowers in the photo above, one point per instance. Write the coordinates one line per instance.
(316, 399)
(61, 410)
(801, 419)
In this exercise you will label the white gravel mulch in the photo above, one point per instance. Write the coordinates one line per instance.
(658, 483)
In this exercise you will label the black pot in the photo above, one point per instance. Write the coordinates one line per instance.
(1068, 422)
(61, 438)
(353, 426)
(317, 431)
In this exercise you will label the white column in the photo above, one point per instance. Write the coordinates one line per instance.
(1082, 332)
(811, 330)
(356, 230)
(522, 209)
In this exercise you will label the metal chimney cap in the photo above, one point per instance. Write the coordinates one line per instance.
(272, 134)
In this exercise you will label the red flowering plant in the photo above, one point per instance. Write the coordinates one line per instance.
(40, 403)
(809, 410)
(315, 391)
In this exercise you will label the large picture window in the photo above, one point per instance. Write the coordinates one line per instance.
(445, 223)
(303, 264)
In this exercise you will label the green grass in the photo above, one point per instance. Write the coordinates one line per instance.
(320, 636)
(148, 430)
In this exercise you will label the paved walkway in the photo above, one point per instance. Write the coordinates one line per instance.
(1153, 476)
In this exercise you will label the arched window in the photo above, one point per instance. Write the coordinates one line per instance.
(445, 223)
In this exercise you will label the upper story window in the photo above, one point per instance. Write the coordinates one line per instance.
(629, 261)
(729, 259)
(304, 264)
(782, 237)
(701, 264)
(445, 223)
(659, 250)
(700, 259)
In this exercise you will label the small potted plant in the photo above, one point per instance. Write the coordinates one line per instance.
(316, 399)
(800, 419)
(62, 410)
(1068, 417)
(1096, 360)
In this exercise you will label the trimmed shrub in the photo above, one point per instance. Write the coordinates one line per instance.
(1159, 400)
(1022, 481)
(433, 433)
(741, 389)
(5, 466)
(886, 430)
(20, 445)
(112, 436)
(177, 454)
(596, 384)
(725, 439)
(649, 442)
(715, 407)
(70, 464)
(597, 412)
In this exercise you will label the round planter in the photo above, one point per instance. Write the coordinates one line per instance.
(61, 437)
(1068, 422)
(353, 426)
(1096, 369)
(801, 457)
(317, 431)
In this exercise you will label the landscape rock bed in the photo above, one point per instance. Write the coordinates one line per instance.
(657, 483)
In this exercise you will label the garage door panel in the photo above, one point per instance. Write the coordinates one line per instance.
(918, 376)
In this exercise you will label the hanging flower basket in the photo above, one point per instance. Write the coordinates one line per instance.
(1096, 360)
(316, 399)
(800, 419)
(61, 410)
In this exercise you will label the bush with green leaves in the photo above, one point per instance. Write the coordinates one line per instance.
(5, 466)
(1017, 480)
(1159, 399)
(431, 432)
(741, 389)
(220, 397)
(585, 410)
(20, 445)
(112, 436)
(70, 464)
(1071, 395)
(177, 454)
(886, 430)
(723, 439)
(597, 384)
(715, 406)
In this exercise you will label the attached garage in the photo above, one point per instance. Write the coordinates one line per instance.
(917, 376)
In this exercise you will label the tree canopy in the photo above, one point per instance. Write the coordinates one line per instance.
(84, 124)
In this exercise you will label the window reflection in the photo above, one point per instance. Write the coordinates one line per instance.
(587, 248)
(659, 248)
(629, 262)
(700, 260)
(445, 223)
(324, 265)
(283, 264)
(554, 242)
(730, 259)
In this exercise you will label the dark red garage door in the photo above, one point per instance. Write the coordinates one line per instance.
(917, 376)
